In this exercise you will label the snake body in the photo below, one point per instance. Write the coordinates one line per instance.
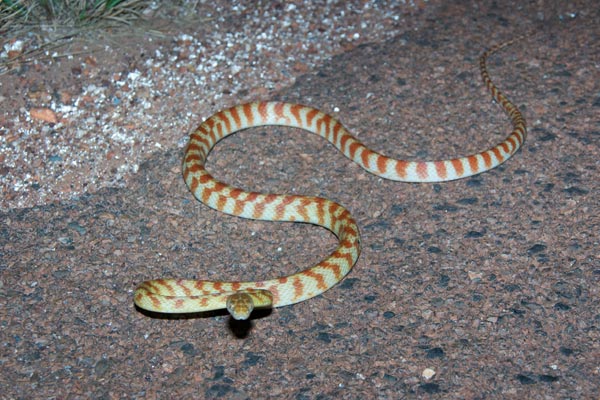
(240, 298)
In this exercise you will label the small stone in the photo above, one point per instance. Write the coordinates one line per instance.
(428, 373)
(44, 114)
(475, 276)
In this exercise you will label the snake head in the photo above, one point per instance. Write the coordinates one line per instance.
(241, 304)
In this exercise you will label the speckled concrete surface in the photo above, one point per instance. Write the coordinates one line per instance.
(490, 284)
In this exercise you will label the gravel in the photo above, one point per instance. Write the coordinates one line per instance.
(85, 117)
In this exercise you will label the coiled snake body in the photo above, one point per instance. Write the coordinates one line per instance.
(240, 298)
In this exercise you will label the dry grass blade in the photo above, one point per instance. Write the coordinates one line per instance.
(13, 13)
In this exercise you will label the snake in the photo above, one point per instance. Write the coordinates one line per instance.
(240, 298)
